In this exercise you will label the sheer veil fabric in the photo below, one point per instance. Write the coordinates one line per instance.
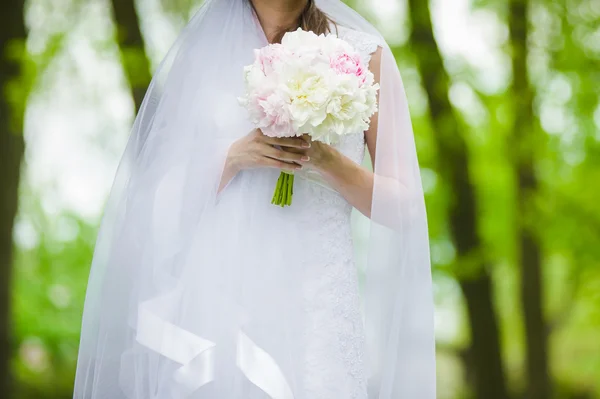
(194, 294)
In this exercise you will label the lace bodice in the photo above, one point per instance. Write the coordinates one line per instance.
(334, 333)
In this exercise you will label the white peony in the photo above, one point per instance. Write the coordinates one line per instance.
(309, 84)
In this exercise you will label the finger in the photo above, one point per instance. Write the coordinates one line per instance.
(296, 150)
(293, 142)
(278, 164)
(284, 155)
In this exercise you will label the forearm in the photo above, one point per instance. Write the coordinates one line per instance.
(354, 182)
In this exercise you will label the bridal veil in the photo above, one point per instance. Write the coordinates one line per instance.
(194, 294)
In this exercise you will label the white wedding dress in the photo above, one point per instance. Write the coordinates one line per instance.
(334, 332)
(200, 294)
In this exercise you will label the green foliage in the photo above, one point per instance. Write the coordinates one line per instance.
(136, 62)
(180, 11)
(55, 250)
(50, 278)
(17, 91)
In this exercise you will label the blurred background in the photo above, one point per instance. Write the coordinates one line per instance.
(505, 99)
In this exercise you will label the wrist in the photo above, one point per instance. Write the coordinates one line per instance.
(329, 159)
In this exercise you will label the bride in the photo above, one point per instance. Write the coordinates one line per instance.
(200, 288)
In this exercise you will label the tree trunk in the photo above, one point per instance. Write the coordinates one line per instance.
(530, 259)
(485, 351)
(131, 46)
(12, 42)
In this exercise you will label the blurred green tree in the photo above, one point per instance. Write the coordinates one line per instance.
(12, 146)
(529, 257)
(484, 359)
(132, 49)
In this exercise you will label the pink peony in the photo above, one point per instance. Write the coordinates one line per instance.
(268, 56)
(348, 64)
(276, 120)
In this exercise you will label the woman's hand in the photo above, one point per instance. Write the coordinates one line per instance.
(321, 156)
(256, 150)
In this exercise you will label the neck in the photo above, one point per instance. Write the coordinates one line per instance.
(276, 15)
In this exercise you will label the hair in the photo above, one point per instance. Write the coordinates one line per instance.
(311, 19)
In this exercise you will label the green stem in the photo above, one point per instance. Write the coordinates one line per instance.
(290, 188)
(275, 198)
(283, 192)
(282, 185)
(284, 189)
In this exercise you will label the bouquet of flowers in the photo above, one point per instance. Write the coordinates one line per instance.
(308, 84)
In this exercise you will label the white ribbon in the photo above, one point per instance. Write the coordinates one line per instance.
(261, 369)
(197, 354)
